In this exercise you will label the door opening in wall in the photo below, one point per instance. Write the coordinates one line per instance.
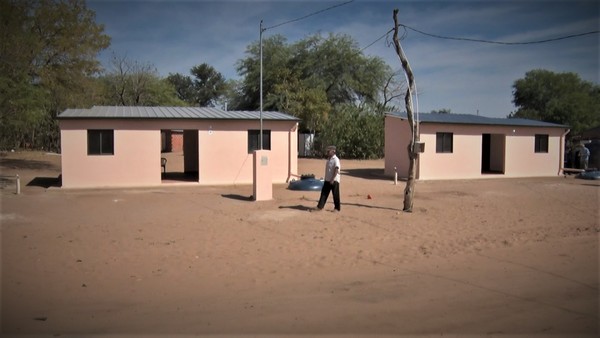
(179, 155)
(492, 153)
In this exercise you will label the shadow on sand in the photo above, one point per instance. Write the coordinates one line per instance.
(238, 197)
(367, 173)
(15, 163)
(46, 182)
(296, 207)
(305, 208)
(370, 206)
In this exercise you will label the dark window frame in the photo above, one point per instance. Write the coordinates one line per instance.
(541, 143)
(100, 142)
(254, 140)
(444, 143)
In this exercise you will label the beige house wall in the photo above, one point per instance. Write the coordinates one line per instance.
(397, 138)
(524, 162)
(512, 149)
(463, 162)
(136, 157)
(222, 156)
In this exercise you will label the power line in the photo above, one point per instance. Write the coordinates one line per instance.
(374, 42)
(308, 15)
(500, 42)
(479, 40)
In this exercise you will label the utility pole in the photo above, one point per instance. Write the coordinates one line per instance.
(413, 154)
(261, 84)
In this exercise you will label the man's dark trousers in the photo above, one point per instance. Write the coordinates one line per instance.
(329, 187)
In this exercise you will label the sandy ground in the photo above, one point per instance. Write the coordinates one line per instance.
(475, 258)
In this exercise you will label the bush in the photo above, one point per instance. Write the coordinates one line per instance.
(357, 133)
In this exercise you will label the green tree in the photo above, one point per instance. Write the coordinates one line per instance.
(184, 86)
(334, 64)
(308, 104)
(357, 132)
(276, 55)
(207, 87)
(232, 95)
(48, 53)
(313, 77)
(558, 98)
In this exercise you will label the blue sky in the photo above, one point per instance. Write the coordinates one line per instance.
(465, 77)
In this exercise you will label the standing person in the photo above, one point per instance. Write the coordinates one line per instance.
(584, 156)
(332, 180)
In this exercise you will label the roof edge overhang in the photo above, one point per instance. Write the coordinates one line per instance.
(499, 124)
(169, 118)
(494, 124)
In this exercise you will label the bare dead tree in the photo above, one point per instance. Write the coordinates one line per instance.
(412, 151)
(392, 89)
(140, 77)
(121, 70)
(129, 81)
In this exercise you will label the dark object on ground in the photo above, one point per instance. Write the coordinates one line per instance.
(589, 175)
(306, 183)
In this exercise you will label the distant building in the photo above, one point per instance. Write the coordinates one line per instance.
(458, 146)
(172, 141)
(121, 146)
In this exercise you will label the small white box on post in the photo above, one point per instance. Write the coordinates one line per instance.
(263, 182)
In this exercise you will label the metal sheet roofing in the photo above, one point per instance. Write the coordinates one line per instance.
(477, 120)
(207, 113)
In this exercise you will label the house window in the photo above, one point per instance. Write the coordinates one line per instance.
(254, 140)
(443, 142)
(541, 143)
(100, 142)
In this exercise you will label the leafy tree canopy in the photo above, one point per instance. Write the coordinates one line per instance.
(558, 98)
(184, 87)
(206, 88)
(358, 132)
(48, 55)
(311, 77)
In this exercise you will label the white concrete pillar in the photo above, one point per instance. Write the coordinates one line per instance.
(262, 179)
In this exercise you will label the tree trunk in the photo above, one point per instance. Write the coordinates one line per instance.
(413, 155)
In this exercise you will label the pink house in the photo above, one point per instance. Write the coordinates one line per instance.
(121, 146)
(468, 146)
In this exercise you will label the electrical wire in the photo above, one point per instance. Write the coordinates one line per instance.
(475, 40)
(379, 38)
(500, 42)
(308, 15)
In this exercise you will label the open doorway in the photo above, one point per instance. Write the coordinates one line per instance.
(179, 155)
(492, 153)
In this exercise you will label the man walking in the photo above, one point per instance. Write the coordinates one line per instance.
(584, 156)
(332, 180)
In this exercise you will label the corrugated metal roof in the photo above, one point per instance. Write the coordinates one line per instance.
(476, 119)
(208, 113)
